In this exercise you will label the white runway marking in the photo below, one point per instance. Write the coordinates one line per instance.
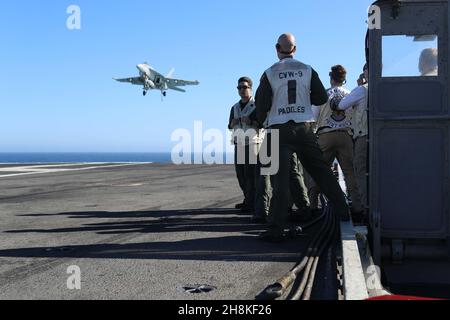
(44, 168)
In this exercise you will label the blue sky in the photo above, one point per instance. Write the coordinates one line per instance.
(57, 92)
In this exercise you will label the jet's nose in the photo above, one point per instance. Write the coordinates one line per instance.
(144, 69)
(141, 68)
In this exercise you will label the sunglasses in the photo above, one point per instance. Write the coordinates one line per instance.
(243, 88)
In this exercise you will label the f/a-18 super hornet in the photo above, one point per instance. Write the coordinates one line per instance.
(151, 79)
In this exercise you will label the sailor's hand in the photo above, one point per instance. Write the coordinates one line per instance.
(246, 120)
(234, 122)
(362, 80)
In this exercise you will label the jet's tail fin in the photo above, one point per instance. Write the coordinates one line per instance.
(170, 74)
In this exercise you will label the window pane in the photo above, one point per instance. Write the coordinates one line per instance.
(408, 56)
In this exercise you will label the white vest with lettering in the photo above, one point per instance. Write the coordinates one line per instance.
(291, 86)
(359, 120)
(241, 113)
(330, 120)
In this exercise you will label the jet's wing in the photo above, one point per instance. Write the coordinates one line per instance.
(177, 89)
(179, 83)
(135, 80)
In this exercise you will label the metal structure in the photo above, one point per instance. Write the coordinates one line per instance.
(409, 124)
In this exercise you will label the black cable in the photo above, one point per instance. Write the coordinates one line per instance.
(279, 288)
(308, 274)
(326, 244)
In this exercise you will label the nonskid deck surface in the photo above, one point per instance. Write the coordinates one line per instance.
(11, 170)
(140, 231)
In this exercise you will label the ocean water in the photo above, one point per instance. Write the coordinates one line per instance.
(42, 157)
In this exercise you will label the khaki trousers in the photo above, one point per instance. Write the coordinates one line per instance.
(339, 145)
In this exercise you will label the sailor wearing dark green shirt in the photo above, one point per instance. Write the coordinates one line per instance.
(284, 99)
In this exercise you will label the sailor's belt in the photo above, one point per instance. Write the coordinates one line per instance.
(333, 131)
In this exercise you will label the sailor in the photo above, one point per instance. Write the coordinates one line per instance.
(263, 189)
(335, 136)
(298, 192)
(428, 62)
(358, 101)
(285, 95)
(247, 139)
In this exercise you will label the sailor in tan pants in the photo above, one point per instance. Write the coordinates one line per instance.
(358, 101)
(335, 136)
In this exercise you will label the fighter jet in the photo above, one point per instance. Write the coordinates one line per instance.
(151, 79)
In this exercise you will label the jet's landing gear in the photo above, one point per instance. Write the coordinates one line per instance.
(144, 93)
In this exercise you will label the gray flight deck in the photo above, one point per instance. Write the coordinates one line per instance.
(137, 231)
